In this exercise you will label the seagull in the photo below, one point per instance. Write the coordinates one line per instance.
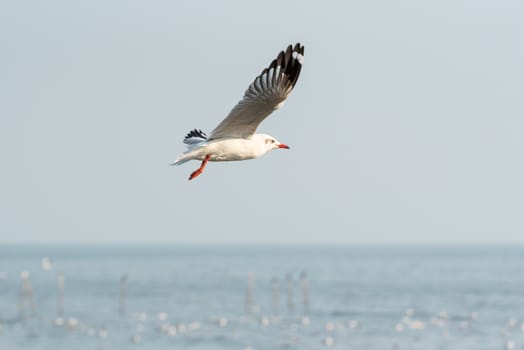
(234, 138)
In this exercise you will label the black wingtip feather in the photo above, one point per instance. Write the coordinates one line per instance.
(196, 133)
(292, 62)
(289, 62)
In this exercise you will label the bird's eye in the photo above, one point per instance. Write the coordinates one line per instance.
(272, 141)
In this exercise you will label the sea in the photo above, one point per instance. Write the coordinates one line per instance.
(251, 297)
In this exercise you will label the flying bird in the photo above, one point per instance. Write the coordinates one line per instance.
(234, 138)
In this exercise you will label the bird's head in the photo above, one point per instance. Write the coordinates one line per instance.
(269, 143)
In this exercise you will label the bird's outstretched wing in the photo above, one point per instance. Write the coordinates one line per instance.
(266, 94)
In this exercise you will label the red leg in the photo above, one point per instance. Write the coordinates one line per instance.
(201, 169)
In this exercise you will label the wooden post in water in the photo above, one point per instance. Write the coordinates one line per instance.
(25, 297)
(289, 281)
(274, 294)
(60, 286)
(21, 299)
(249, 292)
(304, 283)
(122, 306)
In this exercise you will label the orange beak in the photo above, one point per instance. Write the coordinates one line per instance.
(283, 146)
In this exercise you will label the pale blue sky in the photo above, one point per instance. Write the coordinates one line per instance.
(406, 124)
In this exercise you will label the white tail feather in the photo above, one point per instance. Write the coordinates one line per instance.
(180, 160)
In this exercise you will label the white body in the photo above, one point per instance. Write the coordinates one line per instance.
(229, 149)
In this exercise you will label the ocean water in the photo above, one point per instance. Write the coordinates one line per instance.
(261, 297)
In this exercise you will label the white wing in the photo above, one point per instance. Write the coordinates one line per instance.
(266, 94)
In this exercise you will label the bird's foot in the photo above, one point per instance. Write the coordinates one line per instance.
(201, 169)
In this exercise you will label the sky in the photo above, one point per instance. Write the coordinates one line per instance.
(405, 125)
